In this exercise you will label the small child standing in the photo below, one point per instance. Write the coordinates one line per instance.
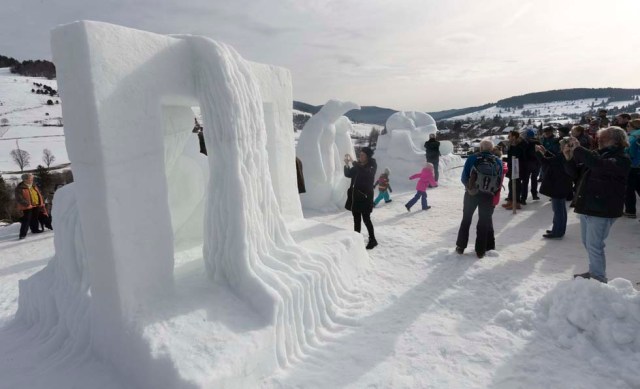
(384, 188)
(426, 178)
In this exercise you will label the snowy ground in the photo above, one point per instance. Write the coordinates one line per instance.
(433, 319)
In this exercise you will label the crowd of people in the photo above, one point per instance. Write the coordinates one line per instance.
(596, 170)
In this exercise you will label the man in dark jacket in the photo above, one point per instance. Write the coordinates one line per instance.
(516, 149)
(360, 194)
(600, 194)
(556, 184)
(432, 146)
(532, 167)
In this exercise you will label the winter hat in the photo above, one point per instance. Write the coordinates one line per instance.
(368, 151)
(564, 131)
(387, 171)
(635, 124)
(530, 133)
(432, 136)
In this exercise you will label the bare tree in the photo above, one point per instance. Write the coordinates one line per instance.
(48, 157)
(20, 157)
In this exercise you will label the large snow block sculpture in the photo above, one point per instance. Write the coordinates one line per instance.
(140, 188)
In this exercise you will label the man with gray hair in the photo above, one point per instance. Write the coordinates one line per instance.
(30, 201)
(600, 193)
(482, 178)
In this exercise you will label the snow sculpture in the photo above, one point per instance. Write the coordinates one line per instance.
(419, 124)
(324, 141)
(402, 148)
(142, 193)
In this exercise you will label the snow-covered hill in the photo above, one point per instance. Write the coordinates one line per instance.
(556, 110)
(26, 118)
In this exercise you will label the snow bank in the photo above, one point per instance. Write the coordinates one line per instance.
(600, 323)
(142, 195)
(323, 143)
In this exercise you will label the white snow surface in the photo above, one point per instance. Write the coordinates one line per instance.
(430, 318)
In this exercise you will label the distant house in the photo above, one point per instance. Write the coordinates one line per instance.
(466, 126)
(508, 129)
(444, 131)
(495, 130)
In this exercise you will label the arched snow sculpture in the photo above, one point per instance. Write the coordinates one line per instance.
(402, 148)
(321, 148)
(138, 195)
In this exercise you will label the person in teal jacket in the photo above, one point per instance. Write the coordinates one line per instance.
(633, 182)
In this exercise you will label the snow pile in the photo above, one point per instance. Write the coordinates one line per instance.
(322, 146)
(143, 197)
(599, 323)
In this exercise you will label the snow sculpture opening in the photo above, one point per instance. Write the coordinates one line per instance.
(402, 148)
(324, 142)
(142, 193)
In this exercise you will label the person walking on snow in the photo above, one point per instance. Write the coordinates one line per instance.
(384, 187)
(425, 178)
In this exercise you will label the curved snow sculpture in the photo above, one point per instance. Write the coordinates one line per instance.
(139, 195)
(402, 148)
(321, 148)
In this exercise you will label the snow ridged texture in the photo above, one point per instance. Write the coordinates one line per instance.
(323, 144)
(401, 149)
(143, 193)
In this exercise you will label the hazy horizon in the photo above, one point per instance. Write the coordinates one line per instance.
(407, 55)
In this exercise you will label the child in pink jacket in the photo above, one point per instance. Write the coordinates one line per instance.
(426, 179)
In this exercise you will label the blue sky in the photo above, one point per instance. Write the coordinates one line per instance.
(422, 55)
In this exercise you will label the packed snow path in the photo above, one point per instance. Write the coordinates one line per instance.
(433, 319)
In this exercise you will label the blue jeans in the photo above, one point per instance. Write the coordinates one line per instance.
(382, 195)
(415, 199)
(594, 232)
(559, 217)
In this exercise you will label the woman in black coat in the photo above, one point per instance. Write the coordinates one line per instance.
(557, 184)
(360, 194)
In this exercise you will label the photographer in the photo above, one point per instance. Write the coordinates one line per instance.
(360, 193)
(600, 194)
(556, 184)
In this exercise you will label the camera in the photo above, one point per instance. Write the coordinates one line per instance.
(564, 140)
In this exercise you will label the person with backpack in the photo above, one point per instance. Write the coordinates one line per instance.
(425, 179)
(482, 178)
(360, 192)
(432, 147)
(633, 182)
(384, 188)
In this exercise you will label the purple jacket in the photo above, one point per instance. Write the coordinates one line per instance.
(425, 179)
